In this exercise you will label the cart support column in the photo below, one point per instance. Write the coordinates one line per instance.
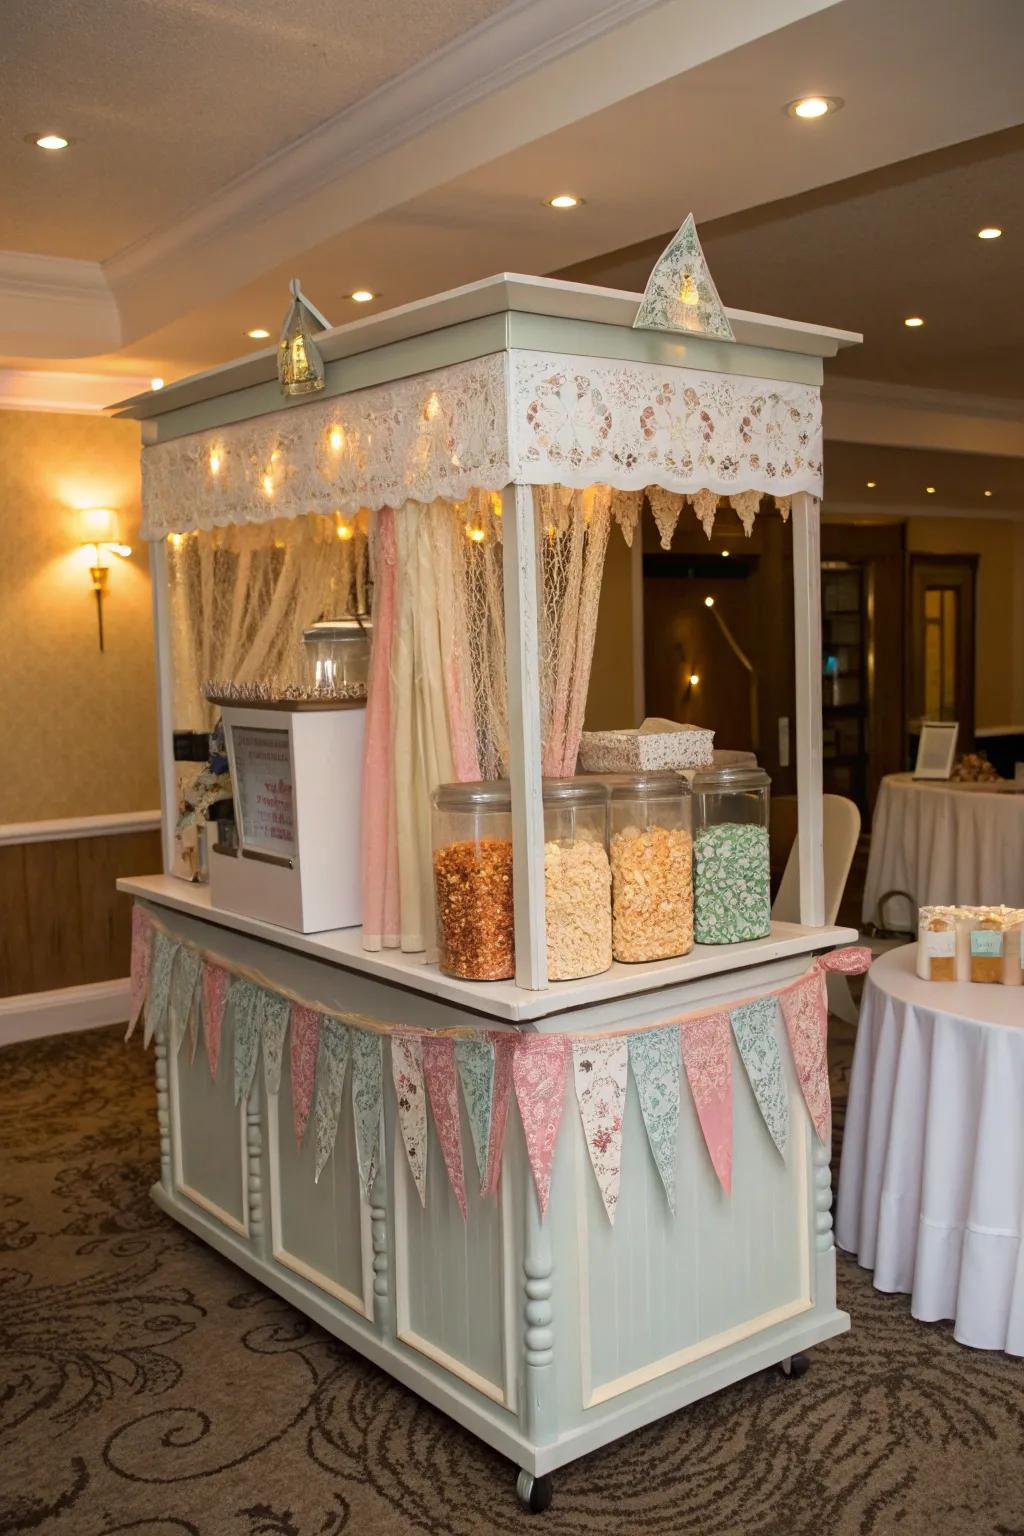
(807, 635)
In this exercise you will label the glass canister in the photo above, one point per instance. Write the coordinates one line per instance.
(731, 879)
(336, 653)
(577, 878)
(650, 821)
(472, 840)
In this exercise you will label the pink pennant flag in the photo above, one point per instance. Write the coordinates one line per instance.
(304, 1047)
(852, 961)
(142, 946)
(805, 1010)
(504, 1051)
(538, 1075)
(443, 1088)
(707, 1056)
(215, 995)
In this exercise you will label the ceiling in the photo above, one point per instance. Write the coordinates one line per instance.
(225, 145)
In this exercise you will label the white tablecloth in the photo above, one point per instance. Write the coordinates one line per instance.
(931, 1184)
(945, 846)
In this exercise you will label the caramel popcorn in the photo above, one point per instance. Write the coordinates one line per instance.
(652, 893)
(475, 919)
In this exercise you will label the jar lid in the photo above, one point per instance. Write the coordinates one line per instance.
(574, 791)
(656, 785)
(339, 630)
(477, 794)
(734, 776)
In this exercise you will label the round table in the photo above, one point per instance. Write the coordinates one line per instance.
(945, 844)
(931, 1183)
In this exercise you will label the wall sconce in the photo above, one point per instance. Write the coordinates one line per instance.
(97, 528)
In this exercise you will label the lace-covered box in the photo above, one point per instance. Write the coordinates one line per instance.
(655, 744)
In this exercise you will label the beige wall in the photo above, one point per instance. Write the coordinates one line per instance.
(77, 727)
(999, 661)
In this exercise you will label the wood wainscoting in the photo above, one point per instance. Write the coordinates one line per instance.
(64, 925)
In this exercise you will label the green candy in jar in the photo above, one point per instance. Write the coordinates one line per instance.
(732, 890)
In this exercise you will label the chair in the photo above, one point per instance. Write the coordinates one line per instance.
(841, 829)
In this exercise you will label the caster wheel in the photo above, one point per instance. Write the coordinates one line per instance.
(534, 1493)
(795, 1366)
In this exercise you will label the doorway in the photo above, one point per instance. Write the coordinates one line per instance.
(941, 672)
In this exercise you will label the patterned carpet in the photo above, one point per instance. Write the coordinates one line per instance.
(147, 1386)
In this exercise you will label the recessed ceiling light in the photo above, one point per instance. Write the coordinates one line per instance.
(914, 322)
(258, 334)
(930, 489)
(156, 383)
(990, 232)
(362, 295)
(872, 484)
(49, 140)
(725, 554)
(809, 107)
(564, 200)
(988, 493)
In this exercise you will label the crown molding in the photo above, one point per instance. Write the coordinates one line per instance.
(909, 416)
(900, 512)
(38, 389)
(52, 306)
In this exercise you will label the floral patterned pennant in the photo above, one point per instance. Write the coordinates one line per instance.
(474, 1058)
(368, 1103)
(600, 1069)
(538, 1075)
(680, 293)
(243, 1009)
(411, 1097)
(443, 1088)
(184, 978)
(142, 948)
(504, 1053)
(335, 1048)
(854, 960)
(304, 1044)
(275, 1024)
(214, 991)
(805, 1010)
(754, 1028)
(164, 953)
(654, 1058)
(707, 1056)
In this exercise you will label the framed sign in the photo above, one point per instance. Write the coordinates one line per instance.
(264, 791)
(936, 749)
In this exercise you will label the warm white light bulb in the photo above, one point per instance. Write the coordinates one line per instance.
(709, 602)
(990, 232)
(363, 295)
(725, 554)
(988, 493)
(258, 334)
(156, 383)
(564, 200)
(872, 484)
(913, 322)
(930, 490)
(52, 141)
(694, 679)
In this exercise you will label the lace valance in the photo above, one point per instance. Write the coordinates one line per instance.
(528, 417)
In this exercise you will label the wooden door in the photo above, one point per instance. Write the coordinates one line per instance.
(941, 651)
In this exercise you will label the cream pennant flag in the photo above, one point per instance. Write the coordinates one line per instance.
(680, 293)
(474, 1058)
(165, 951)
(275, 1026)
(443, 1089)
(654, 1058)
(367, 1103)
(754, 1027)
(335, 1049)
(600, 1069)
(411, 1098)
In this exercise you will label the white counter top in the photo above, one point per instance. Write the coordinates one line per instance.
(501, 999)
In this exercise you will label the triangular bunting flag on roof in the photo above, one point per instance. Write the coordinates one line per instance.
(681, 294)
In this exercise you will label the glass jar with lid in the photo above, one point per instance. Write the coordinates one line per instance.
(650, 821)
(577, 878)
(336, 654)
(731, 880)
(472, 841)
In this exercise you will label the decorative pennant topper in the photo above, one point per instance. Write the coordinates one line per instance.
(300, 368)
(681, 294)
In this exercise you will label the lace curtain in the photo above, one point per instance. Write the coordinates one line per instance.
(241, 596)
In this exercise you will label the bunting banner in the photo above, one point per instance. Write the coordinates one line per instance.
(173, 979)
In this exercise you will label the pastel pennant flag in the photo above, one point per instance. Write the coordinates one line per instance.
(707, 1056)
(443, 1089)
(411, 1097)
(474, 1058)
(184, 979)
(753, 1026)
(654, 1059)
(164, 952)
(538, 1075)
(805, 1010)
(304, 1046)
(854, 960)
(368, 1102)
(680, 293)
(275, 1026)
(214, 991)
(600, 1068)
(335, 1049)
(504, 1053)
(243, 1011)
(142, 949)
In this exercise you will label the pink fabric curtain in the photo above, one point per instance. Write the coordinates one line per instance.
(381, 922)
